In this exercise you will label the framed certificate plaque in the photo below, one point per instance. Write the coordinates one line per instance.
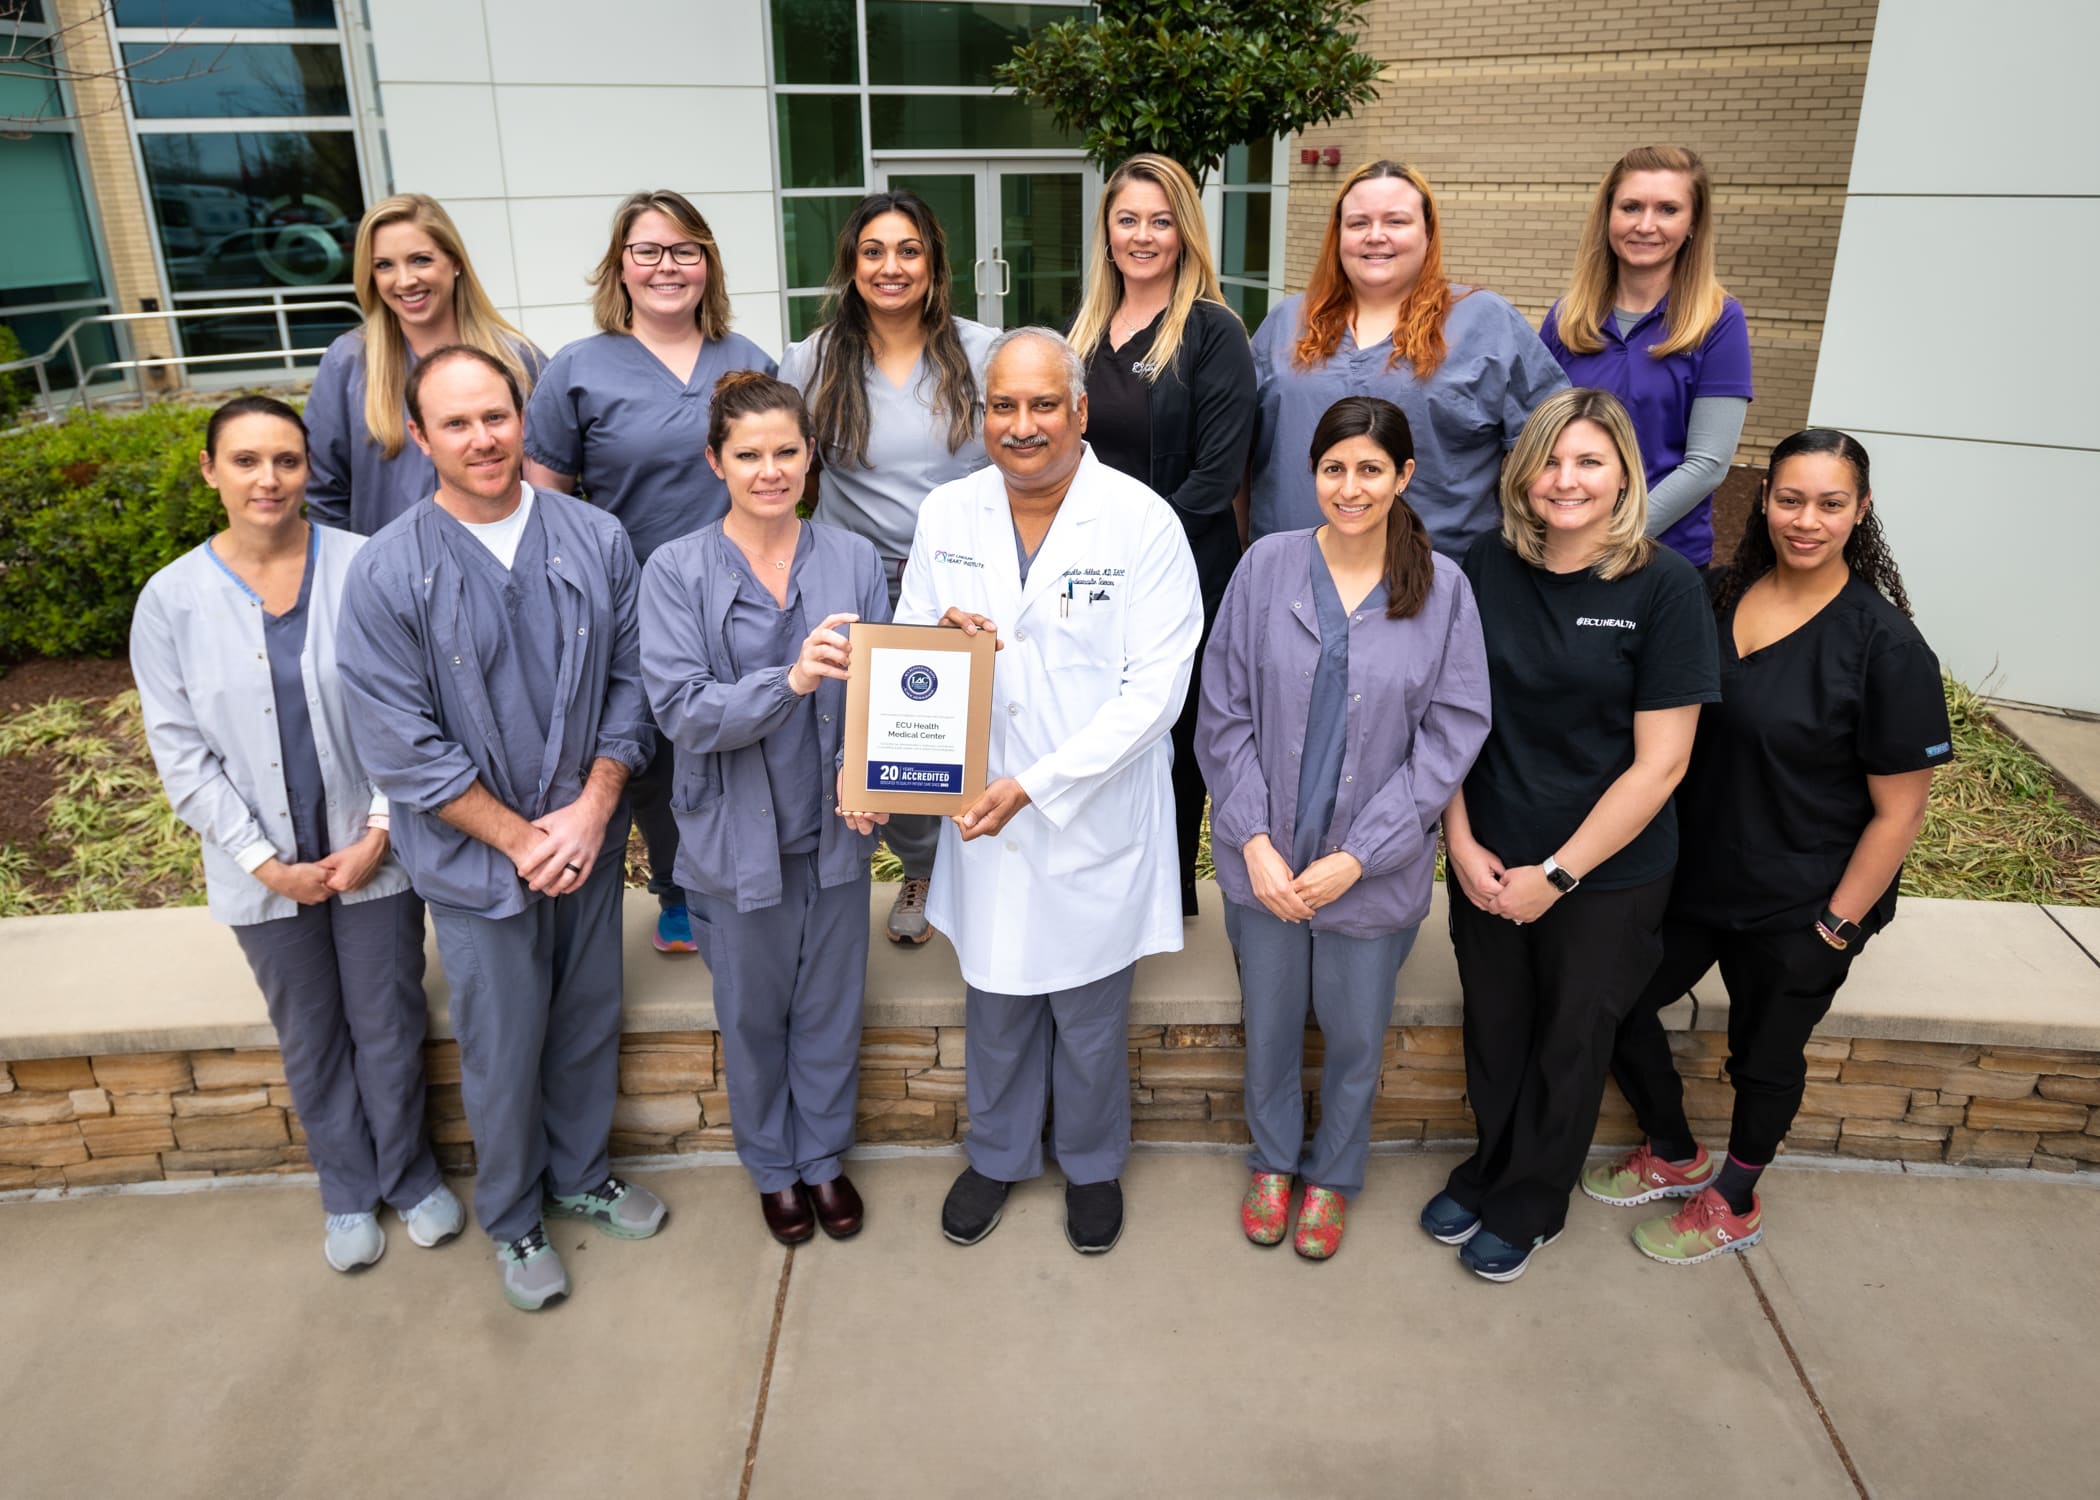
(918, 718)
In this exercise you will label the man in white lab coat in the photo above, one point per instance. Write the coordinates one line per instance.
(1062, 875)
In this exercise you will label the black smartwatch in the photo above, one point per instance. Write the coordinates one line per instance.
(1836, 931)
(1562, 880)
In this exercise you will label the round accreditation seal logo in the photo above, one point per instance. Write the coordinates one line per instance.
(920, 683)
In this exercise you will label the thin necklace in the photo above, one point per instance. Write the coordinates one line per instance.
(779, 563)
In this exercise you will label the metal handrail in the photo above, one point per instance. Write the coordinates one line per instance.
(69, 341)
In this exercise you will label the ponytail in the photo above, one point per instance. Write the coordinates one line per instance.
(1410, 562)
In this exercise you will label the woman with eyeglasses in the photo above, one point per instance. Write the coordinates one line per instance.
(621, 416)
(892, 380)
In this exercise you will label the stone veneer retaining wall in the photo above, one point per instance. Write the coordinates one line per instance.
(175, 1116)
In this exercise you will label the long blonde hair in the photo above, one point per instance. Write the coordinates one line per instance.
(1626, 544)
(1195, 277)
(614, 308)
(386, 361)
(1696, 294)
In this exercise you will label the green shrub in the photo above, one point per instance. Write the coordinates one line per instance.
(18, 389)
(90, 508)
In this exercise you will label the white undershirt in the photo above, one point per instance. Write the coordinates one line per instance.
(501, 537)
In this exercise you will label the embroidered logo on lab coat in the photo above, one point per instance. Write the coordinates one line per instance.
(958, 558)
(1088, 588)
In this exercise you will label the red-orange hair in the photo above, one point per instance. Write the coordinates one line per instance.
(1418, 333)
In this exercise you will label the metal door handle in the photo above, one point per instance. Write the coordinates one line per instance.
(1006, 274)
(977, 272)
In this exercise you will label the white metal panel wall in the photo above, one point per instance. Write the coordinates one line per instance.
(531, 119)
(1958, 344)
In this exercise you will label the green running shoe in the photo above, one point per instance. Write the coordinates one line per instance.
(1702, 1229)
(1641, 1176)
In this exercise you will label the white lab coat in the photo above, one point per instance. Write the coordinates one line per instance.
(1098, 648)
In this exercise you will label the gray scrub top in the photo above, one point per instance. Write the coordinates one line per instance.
(762, 636)
(511, 624)
(1327, 723)
(907, 448)
(635, 437)
(298, 753)
(354, 485)
(1463, 417)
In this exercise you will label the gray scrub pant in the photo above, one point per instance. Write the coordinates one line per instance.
(789, 979)
(536, 1008)
(1024, 1052)
(1286, 970)
(344, 987)
(913, 838)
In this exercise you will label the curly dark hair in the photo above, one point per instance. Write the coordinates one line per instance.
(1866, 550)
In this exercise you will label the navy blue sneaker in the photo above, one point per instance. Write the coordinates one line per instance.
(1488, 1254)
(1445, 1220)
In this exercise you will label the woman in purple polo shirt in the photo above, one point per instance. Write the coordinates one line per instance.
(1344, 696)
(1646, 319)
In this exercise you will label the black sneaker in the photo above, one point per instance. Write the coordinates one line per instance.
(1094, 1216)
(973, 1207)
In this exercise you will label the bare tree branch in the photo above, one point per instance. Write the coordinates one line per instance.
(43, 57)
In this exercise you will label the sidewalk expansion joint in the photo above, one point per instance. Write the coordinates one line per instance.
(1808, 1386)
(2067, 932)
(765, 1375)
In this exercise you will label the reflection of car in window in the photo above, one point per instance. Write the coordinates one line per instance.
(192, 215)
(299, 239)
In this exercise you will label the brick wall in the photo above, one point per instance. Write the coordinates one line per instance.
(174, 1116)
(113, 179)
(1515, 110)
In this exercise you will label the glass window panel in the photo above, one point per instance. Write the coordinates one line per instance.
(209, 82)
(961, 122)
(953, 198)
(810, 230)
(1253, 162)
(46, 254)
(820, 140)
(1250, 302)
(912, 42)
(1042, 231)
(805, 316)
(1246, 236)
(254, 208)
(239, 333)
(29, 12)
(28, 88)
(814, 41)
(317, 14)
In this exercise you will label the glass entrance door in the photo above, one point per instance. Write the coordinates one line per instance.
(1017, 235)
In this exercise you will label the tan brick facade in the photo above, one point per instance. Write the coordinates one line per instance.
(1515, 110)
(105, 139)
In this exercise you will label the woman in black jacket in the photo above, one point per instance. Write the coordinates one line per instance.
(1170, 399)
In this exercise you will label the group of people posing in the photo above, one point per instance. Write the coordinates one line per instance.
(1397, 564)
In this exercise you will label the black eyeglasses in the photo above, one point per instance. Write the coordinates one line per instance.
(684, 253)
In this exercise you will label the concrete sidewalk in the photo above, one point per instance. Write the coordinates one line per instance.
(195, 1345)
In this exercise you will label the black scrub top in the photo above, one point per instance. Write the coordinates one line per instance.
(1571, 659)
(1119, 404)
(1776, 798)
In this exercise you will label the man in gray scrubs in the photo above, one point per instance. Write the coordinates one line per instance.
(488, 651)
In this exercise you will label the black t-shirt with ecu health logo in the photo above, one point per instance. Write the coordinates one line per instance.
(1571, 659)
(1776, 797)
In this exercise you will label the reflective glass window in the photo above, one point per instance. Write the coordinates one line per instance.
(819, 140)
(962, 122)
(257, 333)
(942, 45)
(46, 253)
(1043, 241)
(254, 208)
(1250, 302)
(275, 14)
(805, 317)
(1246, 236)
(28, 87)
(1253, 162)
(811, 236)
(209, 82)
(814, 41)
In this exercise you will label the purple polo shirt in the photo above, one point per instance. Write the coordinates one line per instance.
(1658, 395)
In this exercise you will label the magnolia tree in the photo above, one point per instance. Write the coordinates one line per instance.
(1192, 78)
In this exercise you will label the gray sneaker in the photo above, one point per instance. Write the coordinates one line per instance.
(532, 1272)
(436, 1219)
(619, 1208)
(908, 913)
(354, 1241)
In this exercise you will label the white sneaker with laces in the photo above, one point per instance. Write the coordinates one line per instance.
(436, 1219)
(354, 1241)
